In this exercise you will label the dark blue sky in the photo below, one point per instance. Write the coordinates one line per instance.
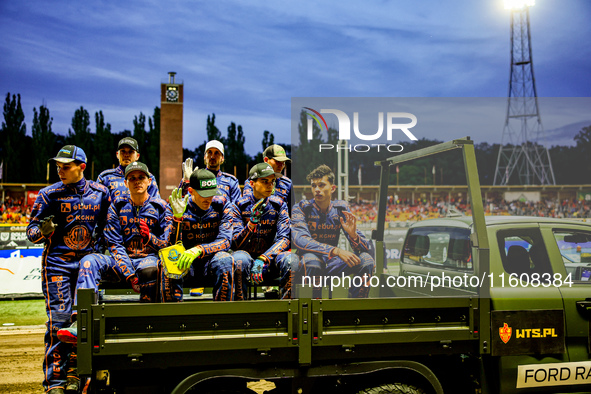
(244, 61)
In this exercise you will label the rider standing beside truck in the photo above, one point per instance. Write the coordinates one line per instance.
(66, 216)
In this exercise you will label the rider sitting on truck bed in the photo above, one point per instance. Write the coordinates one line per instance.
(202, 221)
(262, 234)
(317, 224)
(138, 225)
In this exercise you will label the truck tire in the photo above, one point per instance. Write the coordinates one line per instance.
(393, 388)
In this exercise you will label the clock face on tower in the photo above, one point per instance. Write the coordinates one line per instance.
(172, 94)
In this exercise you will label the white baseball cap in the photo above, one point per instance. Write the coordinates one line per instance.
(215, 144)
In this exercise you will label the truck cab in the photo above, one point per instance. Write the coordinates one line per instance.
(539, 293)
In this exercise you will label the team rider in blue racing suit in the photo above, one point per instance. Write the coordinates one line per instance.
(138, 226)
(202, 221)
(213, 159)
(316, 227)
(275, 156)
(65, 217)
(262, 235)
(114, 179)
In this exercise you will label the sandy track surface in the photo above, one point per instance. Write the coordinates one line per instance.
(21, 360)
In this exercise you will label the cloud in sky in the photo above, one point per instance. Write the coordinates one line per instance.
(244, 61)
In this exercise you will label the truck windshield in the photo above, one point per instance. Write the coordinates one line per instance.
(575, 248)
(438, 247)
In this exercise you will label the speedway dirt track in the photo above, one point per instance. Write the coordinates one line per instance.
(21, 358)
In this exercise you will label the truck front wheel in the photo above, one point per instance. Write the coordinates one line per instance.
(393, 388)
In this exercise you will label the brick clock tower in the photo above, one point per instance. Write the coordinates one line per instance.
(171, 135)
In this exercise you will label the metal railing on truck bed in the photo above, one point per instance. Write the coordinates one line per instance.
(268, 334)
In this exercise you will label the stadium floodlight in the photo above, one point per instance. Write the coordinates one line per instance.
(518, 4)
(523, 157)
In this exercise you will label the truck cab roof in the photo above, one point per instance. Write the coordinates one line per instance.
(466, 221)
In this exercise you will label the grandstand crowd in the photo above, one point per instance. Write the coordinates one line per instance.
(14, 212)
(17, 212)
(406, 210)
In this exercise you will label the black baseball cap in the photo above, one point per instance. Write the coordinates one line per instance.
(204, 183)
(276, 152)
(137, 166)
(262, 170)
(68, 154)
(131, 142)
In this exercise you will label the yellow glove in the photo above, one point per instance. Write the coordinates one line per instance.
(188, 257)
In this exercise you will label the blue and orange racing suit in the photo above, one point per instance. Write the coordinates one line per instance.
(114, 179)
(268, 240)
(283, 189)
(212, 230)
(316, 235)
(130, 254)
(79, 211)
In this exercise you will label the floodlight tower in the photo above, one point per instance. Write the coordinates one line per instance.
(523, 158)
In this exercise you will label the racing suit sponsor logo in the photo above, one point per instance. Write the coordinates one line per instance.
(66, 207)
(324, 226)
(205, 225)
(90, 207)
(77, 238)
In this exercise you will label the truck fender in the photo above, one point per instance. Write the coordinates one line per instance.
(315, 371)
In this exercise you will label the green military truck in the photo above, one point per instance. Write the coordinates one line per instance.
(500, 305)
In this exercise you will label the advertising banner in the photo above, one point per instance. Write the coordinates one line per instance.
(15, 237)
(20, 276)
(20, 264)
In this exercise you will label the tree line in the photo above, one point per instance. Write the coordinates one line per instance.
(571, 164)
(24, 158)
